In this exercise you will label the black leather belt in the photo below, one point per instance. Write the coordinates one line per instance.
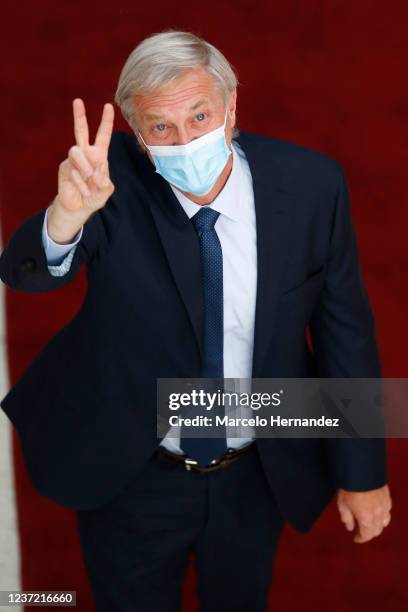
(226, 459)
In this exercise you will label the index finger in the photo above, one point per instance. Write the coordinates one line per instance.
(80, 123)
(104, 133)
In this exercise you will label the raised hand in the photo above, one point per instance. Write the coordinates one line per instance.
(84, 184)
(83, 180)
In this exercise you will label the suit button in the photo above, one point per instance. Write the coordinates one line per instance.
(28, 265)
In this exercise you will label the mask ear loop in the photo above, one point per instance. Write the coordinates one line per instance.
(147, 146)
(225, 118)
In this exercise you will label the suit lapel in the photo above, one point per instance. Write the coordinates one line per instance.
(182, 248)
(273, 208)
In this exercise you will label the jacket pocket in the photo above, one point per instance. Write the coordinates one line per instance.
(313, 279)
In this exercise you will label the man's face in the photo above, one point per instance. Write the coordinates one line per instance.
(185, 110)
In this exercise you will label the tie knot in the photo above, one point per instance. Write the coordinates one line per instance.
(205, 218)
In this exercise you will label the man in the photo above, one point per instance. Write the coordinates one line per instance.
(208, 253)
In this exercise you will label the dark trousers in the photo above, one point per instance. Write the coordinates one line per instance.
(136, 547)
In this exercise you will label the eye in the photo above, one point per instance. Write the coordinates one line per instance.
(200, 116)
(160, 127)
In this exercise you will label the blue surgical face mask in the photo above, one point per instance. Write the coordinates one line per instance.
(193, 167)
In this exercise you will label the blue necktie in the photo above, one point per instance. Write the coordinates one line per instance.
(203, 449)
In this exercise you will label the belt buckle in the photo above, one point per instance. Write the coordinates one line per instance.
(230, 456)
(189, 463)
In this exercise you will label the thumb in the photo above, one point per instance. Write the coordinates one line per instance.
(346, 517)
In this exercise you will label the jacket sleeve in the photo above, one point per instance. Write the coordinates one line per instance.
(343, 334)
(23, 262)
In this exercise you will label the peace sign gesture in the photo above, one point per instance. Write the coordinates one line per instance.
(84, 184)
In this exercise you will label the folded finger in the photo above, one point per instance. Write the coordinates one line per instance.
(101, 179)
(80, 183)
(78, 158)
(364, 534)
(378, 529)
(348, 520)
(386, 520)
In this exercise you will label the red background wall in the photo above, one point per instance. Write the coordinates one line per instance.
(327, 74)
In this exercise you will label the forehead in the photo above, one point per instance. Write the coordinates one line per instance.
(192, 89)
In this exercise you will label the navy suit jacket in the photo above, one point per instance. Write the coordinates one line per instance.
(85, 408)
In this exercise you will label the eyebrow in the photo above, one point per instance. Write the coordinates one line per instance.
(199, 103)
(194, 107)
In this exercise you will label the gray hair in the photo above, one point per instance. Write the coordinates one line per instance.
(161, 58)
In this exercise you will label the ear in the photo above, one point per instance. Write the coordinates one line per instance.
(232, 107)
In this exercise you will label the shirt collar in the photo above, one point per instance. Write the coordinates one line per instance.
(228, 201)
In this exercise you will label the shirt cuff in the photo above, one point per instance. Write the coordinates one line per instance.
(55, 252)
(64, 266)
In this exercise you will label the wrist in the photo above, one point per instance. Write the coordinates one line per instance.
(63, 225)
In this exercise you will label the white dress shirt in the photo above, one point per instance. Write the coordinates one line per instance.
(236, 229)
